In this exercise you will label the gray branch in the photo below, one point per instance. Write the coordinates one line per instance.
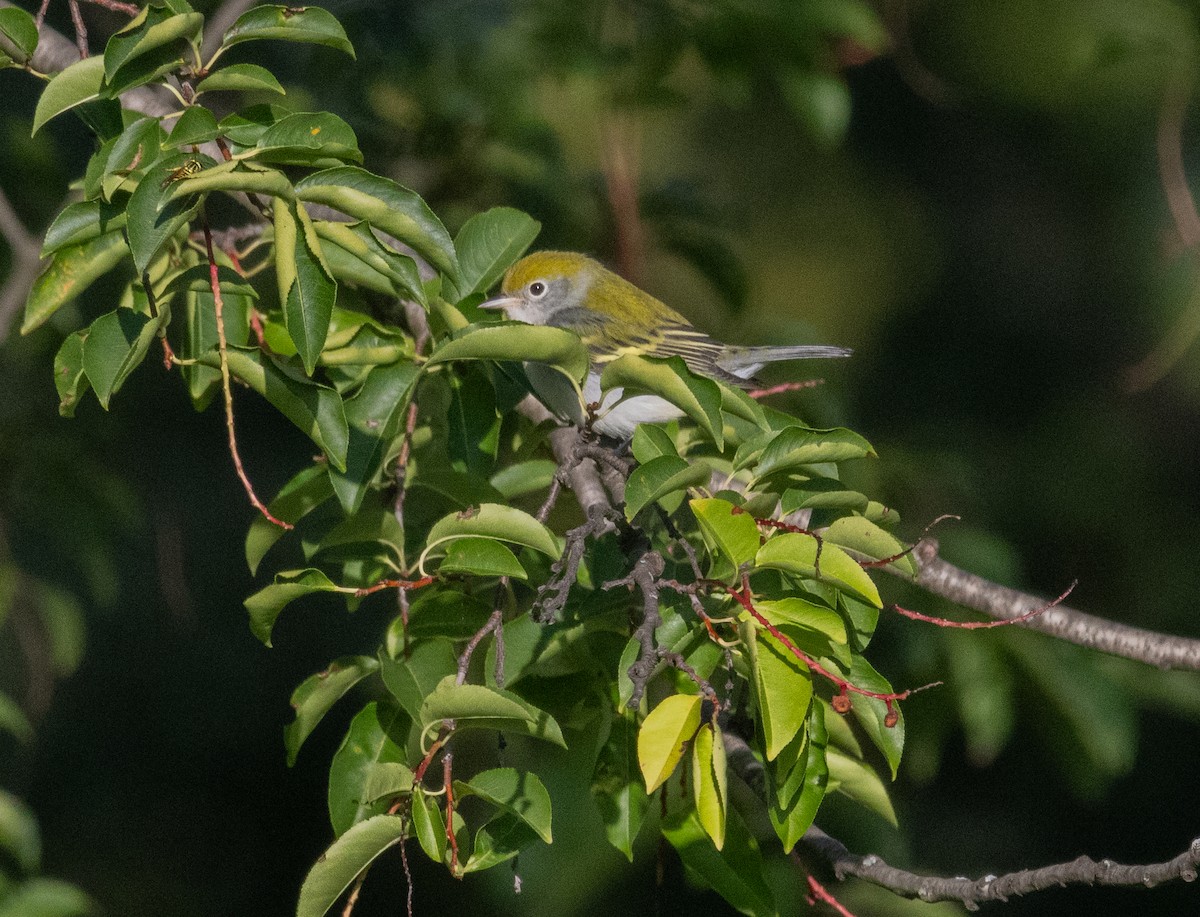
(971, 892)
(1164, 651)
(26, 258)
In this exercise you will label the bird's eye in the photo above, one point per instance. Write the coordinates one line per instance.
(537, 288)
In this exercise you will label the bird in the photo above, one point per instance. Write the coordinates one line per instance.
(613, 317)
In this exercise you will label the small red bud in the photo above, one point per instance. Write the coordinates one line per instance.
(892, 718)
(841, 703)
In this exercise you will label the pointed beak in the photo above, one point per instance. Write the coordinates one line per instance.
(496, 303)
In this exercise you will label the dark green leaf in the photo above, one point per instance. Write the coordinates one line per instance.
(341, 864)
(47, 898)
(735, 871)
(318, 693)
(154, 27)
(70, 272)
(799, 790)
(195, 126)
(871, 712)
(13, 720)
(69, 377)
(413, 677)
(266, 604)
(387, 206)
(617, 787)
(308, 24)
(661, 477)
(441, 613)
(369, 760)
(81, 222)
(19, 836)
(481, 557)
(308, 138)
(522, 794)
(303, 493)
(243, 77)
(115, 345)
(315, 409)
(375, 416)
(498, 841)
(488, 243)
(19, 27)
(795, 447)
(650, 441)
(854, 778)
(524, 477)
(155, 216)
(79, 83)
(491, 520)
(477, 707)
(820, 100)
(306, 287)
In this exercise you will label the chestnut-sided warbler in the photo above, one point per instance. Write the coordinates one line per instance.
(613, 317)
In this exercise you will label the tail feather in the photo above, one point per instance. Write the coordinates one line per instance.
(746, 361)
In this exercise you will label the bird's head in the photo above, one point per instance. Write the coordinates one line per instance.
(548, 288)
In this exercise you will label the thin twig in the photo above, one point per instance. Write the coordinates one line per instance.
(226, 387)
(1164, 651)
(26, 251)
(81, 39)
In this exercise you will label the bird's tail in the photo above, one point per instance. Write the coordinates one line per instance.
(746, 361)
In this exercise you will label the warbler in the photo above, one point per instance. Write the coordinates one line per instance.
(613, 317)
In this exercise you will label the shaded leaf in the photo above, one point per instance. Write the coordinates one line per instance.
(243, 77)
(20, 28)
(488, 243)
(313, 698)
(735, 871)
(477, 707)
(115, 344)
(79, 83)
(306, 287)
(348, 856)
(699, 398)
(413, 677)
(266, 604)
(303, 493)
(309, 24)
(661, 477)
(19, 836)
(368, 766)
(69, 377)
(71, 271)
(521, 793)
(617, 788)
(81, 222)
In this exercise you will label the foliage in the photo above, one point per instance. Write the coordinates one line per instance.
(741, 549)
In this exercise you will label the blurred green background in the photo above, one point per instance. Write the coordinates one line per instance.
(974, 195)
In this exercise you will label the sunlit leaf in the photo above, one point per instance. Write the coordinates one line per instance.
(734, 533)
(802, 555)
(70, 272)
(699, 398)
(491, 520)
(346, 858)
(79, 83)
(516, 341)
(661, 477)
(242, 77)
(308, 24)
(709, 790)
(663, 735)
(368, 766)
(488, 243)
(477, 707)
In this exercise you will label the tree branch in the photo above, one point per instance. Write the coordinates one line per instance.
(26, 258)
(1164, 651)
(1081, 871)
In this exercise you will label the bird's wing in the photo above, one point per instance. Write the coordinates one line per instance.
(700, 352)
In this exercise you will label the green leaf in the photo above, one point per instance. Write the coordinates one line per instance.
(13, 720)
(733, 532)
(617, 788)
(387, 206)
(821, 101)
(797, 553)
(195, 126)
(782, 688)
(735, 871)
(413, 677)
(864, 537)
(492, 520)
(516, 341)
(477, 707)
(797, 781)
(368, 261)
(116, 343)
(375, 417)
(310, 24)
(345, 859)
(871, 713)
(795, 447)
(302, 494)
(19, 27)
(664, 734)
(306, 287)
(47, 898)
(241, 77)
(79, 83)
(488, 243)
(69, 377)
(308, 138)
(368, 767)
(803, 613)
(315, 409)
(318, 693)
(155, 216)
(441, 613)
(661, 477)
(266, 604)
(709, 777)
(699, 398)
(522, 794)
(498, 841)
(855, 779)
(70, 272)
(650, 441)
(154, 27)
(428, 825)
(19, 837)
(481, 557)
(81, 222)
(522, 478)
